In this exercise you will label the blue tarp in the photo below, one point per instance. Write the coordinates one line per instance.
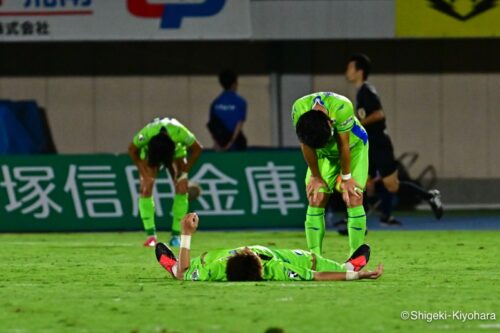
(22, 128)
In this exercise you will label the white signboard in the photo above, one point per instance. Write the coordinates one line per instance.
(45, 20)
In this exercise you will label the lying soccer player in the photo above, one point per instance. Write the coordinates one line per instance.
(258, 263)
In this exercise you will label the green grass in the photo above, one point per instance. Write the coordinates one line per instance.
(106, 282)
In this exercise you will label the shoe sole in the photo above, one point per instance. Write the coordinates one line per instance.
(163, 249)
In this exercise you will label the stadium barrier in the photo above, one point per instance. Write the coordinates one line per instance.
(260, 189)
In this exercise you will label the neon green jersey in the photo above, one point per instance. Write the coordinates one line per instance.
(340, 111)
(277, 265)
(179, 134)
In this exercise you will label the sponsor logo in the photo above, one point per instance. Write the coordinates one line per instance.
(46, 8)
(347, 121)
(292, 275)
(171, 14)
(462, 10)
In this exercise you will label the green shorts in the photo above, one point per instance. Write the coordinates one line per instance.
(329, 168)
(180, 151)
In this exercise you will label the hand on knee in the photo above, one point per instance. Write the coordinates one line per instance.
(319, 200)
(355, 201)
(147, 188)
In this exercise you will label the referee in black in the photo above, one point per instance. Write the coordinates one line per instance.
(382, 164)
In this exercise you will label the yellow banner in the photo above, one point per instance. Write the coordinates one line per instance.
(447, 18)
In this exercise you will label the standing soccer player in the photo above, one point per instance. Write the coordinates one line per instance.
(334, 144)
(382, 162)
(163, 143)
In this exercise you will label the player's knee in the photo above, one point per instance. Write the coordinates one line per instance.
(181, 190)
(147, 188)
(392, 187)
(319, 201)
(355, 201)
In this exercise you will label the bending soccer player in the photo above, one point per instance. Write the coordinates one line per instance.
(335, 147)
(163, 143)
(258, 263)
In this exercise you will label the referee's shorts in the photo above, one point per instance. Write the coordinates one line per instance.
(381, 157)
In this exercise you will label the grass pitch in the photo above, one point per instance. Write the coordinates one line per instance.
(107, 282)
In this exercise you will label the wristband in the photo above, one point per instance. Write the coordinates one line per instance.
(183, 175)
(345, 177)
(349, 276)
(186, 241)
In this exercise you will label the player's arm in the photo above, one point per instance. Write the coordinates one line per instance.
(348, 276)
(343, 127)
(236, 133)
(373, 107)
(194, 153)
(134, 153)
(189, 225)
(374, 117)
(349, 185)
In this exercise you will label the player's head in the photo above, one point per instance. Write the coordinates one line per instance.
(160, 150)
(228, 79)
(358, 67)
(314, 129)
(244, 266)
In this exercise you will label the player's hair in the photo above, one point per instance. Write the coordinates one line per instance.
(313, 129)
(244, 267)
(160, 150)
(227, 78)
(362, 62)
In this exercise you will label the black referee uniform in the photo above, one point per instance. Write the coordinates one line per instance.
(381, 152)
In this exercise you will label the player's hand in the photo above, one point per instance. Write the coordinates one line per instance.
(372, 274)
(350, 187)
(315, 183)
(181, 186)
(190, 223)
(227, 146)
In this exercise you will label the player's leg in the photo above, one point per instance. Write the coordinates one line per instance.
(147, 205)
(356, 216)
(386, 164)
(315, 215)
(393, 185)
(180, 205)
(327, 265)
(387, 192)
(433, 197)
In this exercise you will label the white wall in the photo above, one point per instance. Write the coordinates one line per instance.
(101, 114)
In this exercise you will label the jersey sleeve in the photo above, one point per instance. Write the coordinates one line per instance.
(297, 111)
(371, 101)
(214, 271)
(141, 139)
(277, 270)
(344, 117)
(180, 134)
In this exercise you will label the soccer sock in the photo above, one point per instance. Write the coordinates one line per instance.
(315, 228)
(179, 210)
(356, 224)
(147, 212)
(420, 191)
